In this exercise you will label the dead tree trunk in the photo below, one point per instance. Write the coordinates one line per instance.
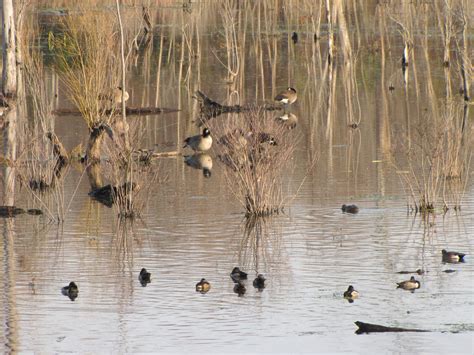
(124, 125)
(9, 83)
(9, 87)
(95, 142)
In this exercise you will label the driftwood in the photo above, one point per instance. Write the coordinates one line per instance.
(210, 108)
(375, 328)
(130, 111)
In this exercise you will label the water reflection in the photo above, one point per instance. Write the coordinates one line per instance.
(200, 161)
(260, 245)
(244, 55)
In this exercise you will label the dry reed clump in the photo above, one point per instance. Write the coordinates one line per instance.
(256, 151)
(134, 178)
(84, 57)
(432, 161)
(41, 168)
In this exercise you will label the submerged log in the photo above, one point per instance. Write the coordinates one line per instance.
(10, 211)
(118, 111)
(375, 328)
(210, 108)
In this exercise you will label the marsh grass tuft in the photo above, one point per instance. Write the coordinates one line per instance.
(435, 162)
(256, 151)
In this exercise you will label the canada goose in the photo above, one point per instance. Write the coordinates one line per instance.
(234, 139)
(263, 137)
(144, 277)
(351, 293)
(240, 289)
(199, 143)
(287, 97)
(203, 286)
(70, 290)
(259, 282)
(411, 284)
(200, 161)
(452, 256)
(288, 119)
(115, 95)
(350, 209)
(238, 274)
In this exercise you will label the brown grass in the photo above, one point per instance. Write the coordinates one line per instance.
(255, 168)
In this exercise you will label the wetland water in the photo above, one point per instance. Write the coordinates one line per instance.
(192, 227)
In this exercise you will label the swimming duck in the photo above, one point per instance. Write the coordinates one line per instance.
(203, 286)
(200, 142)
(350, 209)
(259, 282)
(201, 161)
(411, 284)
(144, 277)
(286, 97)
(240, 289)
(351, 293)
(70, 290)
(238, 274)
(452, 256)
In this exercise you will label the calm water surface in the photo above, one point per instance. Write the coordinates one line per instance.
(192, 227)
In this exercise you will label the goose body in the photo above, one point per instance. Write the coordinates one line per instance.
(286, 97)
(288, 119)
(411, 284)
(117, 95)
(200, 142)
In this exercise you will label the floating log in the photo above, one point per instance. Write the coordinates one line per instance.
(210, 108)
(117, 111)
(375, 328)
